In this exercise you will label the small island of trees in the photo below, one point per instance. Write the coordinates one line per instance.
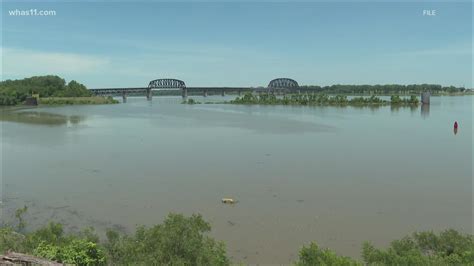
(322, 99)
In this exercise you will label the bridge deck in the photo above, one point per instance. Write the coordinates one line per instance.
(145, 90)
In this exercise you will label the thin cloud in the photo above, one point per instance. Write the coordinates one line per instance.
(19, 62)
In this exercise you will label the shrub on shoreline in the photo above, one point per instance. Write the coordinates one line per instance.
(182, 240)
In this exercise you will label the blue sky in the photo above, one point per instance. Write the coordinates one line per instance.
(241, 44)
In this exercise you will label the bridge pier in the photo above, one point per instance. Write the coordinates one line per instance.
(149, 94)
(223, 93)
(204, 93)
(240, 92)
(425, 97)
(124, 97)
(184, 93)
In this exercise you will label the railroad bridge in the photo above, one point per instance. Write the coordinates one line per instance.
(276, 85)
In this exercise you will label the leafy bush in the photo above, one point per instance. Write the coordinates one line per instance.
(77, 251)
(314, 255)
(424, 248)
(178, 241)
(190, 101)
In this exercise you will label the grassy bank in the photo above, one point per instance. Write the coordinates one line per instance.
(76, 100)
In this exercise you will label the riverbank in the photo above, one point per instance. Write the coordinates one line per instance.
(195, 246)
(76, 100)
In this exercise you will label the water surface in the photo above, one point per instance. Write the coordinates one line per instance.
(337, 176)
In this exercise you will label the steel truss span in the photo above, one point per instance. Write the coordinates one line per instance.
(166, 84)
(283, 83)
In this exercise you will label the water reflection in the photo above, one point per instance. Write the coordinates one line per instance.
(394, 108)
(425, 110)
(39, 118)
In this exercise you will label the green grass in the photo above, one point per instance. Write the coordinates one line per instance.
(76, 100)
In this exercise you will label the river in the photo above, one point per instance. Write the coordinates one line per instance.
(336, 176)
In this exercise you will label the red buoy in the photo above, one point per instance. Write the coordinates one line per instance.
(455, 124)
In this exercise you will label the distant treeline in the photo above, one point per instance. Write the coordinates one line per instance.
(384, 89)
(13, 92)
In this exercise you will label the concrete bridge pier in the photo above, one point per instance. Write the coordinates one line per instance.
(425, 97)
(184, 93)
(240, 92)
(149, 94)
(124, 97)
(223, 93)
(204, 93)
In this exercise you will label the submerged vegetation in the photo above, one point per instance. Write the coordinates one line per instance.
(181, 240)
(39, 118)
(322, 99)
(190, 101)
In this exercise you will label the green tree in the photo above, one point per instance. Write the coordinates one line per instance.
(13, 92)
(314, 255)
(424, 248)
(178, 241)
(77, 251)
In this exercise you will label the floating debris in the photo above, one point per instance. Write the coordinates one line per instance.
(228, 201)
